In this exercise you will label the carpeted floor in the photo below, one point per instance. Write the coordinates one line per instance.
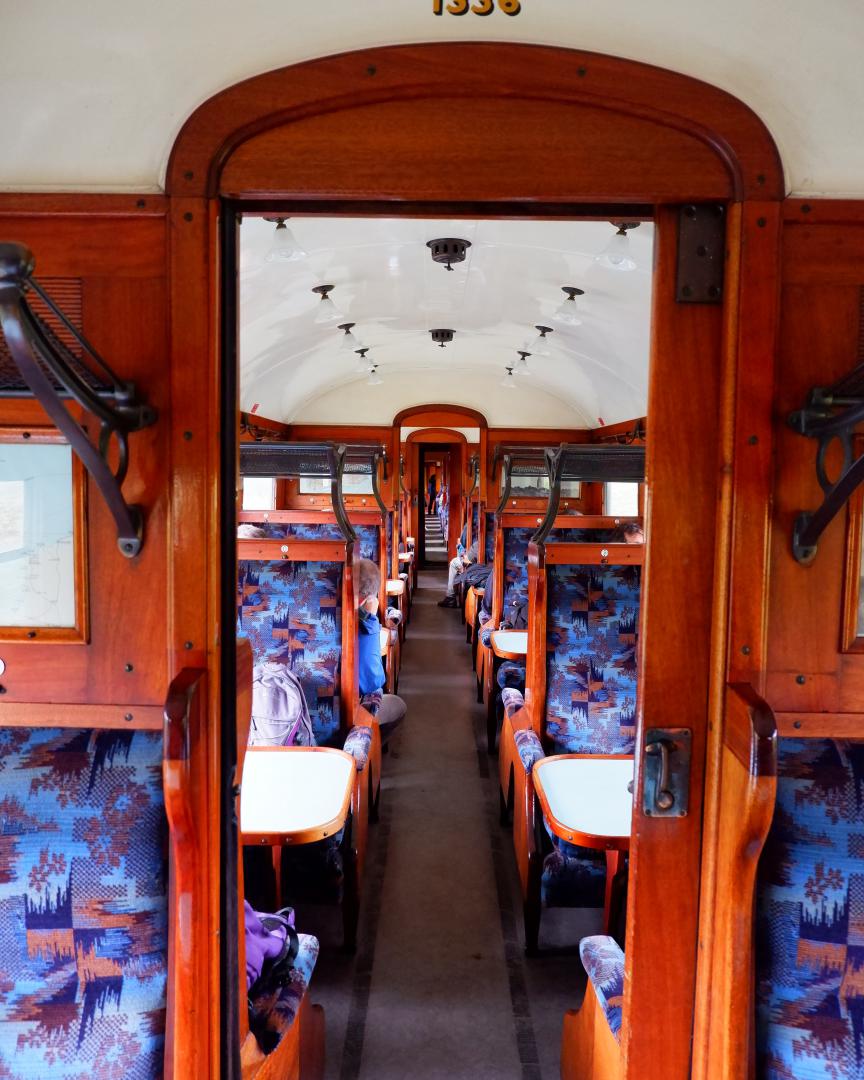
(440, 987)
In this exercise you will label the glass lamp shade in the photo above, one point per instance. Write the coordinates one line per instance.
(285, 247)
(374, 378)
(522, 368)
(326, 311)
(567, 313)
(616, 255)
(508, 382)
(540, 345)
(349, 343)
(363, 365)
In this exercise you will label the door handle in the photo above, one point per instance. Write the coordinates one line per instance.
(666, 788)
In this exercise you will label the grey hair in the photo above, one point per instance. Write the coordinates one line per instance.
(368, 578)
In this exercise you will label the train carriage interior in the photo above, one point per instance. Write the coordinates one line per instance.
(431, 544)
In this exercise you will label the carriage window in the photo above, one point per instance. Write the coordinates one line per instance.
(537, 487)
(853, 585)
(620, 499)
(37, 537)
(259, 493)
(351, 485)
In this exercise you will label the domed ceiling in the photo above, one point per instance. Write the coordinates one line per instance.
(297, 365)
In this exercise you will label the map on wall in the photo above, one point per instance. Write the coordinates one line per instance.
(37, 563)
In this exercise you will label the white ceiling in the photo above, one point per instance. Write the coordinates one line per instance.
(386, 282)
(95, 93)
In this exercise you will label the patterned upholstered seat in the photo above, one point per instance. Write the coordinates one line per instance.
(490, 538)
(603, 961)
(83, 904)
(300, 624)
(593, 614)
(271, 1014)
(810, 963)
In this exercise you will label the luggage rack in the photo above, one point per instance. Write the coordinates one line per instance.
(323, 460)
(47, 357)
(518, 461)
(590, 463)
(831, 412)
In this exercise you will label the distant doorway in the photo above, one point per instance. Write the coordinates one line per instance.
(435, 470)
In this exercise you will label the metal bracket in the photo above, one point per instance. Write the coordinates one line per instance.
(666, 787)
(51, 372)
(830, 413)
(701, 253)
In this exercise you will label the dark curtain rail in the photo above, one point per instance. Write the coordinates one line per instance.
(53, 374)
(588, 463)
(832, 412)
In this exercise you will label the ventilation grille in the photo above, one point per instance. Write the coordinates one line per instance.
(67, 294)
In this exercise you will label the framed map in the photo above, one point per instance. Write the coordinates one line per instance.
(41, 538)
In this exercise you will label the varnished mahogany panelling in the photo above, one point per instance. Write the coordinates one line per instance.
(527, 79)
(807, 672)
(121, 264)
(561, 146)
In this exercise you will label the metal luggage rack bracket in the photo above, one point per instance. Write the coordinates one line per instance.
(832, 412)
(51, 372)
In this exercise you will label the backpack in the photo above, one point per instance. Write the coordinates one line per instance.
(280, 715)
(271, 944)
(517, 614)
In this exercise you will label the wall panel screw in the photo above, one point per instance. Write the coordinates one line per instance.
(128, 668)
(801, 679)
(187, 644)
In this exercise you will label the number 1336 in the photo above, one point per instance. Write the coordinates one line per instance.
(480, 7)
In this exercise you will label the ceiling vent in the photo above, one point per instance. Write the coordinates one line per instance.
(442, 337)
(448, 250)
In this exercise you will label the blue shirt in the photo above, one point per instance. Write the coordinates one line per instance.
(370, 670)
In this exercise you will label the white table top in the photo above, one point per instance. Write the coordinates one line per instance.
(405, 556)
(588, 794)
(395, 586)
(511, 641)
(294, 789)
(385, 639)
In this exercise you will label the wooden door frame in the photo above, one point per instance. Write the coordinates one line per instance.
(262, 141)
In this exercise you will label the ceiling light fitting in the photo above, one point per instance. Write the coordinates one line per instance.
(284, 247)
(448, 250)
(363, 364)
(568, 311)
(540, 346)
(522, 363)
(508, 382)
(348, 342)
(442, 337)
(374, 378)
(616, 255)
(326, 311)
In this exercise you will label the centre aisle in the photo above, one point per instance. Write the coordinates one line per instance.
(439, 1005)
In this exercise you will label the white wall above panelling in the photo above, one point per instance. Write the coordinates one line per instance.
(95, 93)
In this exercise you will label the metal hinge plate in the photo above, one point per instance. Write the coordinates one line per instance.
(701, 253)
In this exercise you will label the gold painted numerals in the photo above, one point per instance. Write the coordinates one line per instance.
(480, 7)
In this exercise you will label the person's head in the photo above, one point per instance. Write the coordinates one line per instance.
(632, 533)
(368, 583)
(247, 531)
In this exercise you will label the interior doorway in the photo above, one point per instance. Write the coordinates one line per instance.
(435, 471)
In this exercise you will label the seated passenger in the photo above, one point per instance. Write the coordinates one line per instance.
(457, 565)
(388, 709)
(631, 533)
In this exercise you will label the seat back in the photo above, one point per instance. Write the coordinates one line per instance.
(291, 611)
(810, 915)
(489, 542)
(83, 902)
(583, 636)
